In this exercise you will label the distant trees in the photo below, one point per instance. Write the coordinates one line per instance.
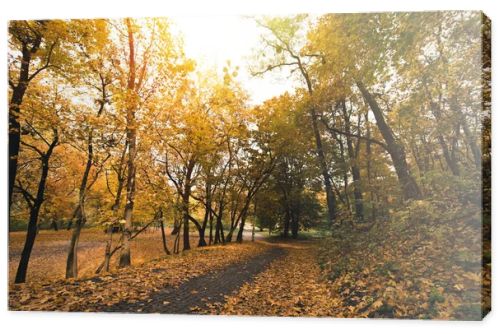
(292, 185)
(283, 40)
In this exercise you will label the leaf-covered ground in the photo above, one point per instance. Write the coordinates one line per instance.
(426, 270)
(398, 270)
(193, 295)
(292, 286)
(48, 259)
(131, 284)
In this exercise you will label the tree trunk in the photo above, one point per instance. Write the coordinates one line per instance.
(176, 242)
(452, 163)
(185, 204)
(185, 223)
(369, 169)
(219, 228)
(15, 110)
(208, 210)
(211, 234)
(201, 240)
(409, 187)
(185, 220)
(243, 213)
(177, 227)
(107, 252)
(356, 174)
(34, 213)
(229, 235)
(163, 235)
(28, 244)
(330, 197)
(131, 140)
(286, 223)
(294, 223)
(121, 179)
(72, 259)
(239, 237)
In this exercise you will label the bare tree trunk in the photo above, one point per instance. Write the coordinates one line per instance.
(163, 235)
(239, 237)
(452, 163)
(286, 222)
(206, 217)
(34, 213)
(369, 169)
(254, 218)
(211, 224)
(185, 231)
(131, 140)
(219, 229)
(294, 222)
(396, 151)
(330, 196)
(72, 259)
(185, 205)
(16, 101)
(356, 174)
(345, 170)
(177, 242)
(107, 252)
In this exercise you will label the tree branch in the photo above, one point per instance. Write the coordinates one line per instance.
(332, 129)
(46, 65)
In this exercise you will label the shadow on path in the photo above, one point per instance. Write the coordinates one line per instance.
(193, 295)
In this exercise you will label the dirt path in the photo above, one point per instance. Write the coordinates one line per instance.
(193, 295)
(291, 286)
(136, 283)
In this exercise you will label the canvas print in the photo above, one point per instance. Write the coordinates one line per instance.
(332, 165)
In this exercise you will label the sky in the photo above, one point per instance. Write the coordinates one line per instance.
(213, 40)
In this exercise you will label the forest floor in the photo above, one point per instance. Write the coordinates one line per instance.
(253, 278)
(392, 270)
(48, 259)
(141, 283)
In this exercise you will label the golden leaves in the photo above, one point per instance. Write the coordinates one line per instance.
(290, 287)
(426, 272)
(129, 284)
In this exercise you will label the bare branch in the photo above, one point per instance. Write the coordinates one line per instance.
(371, 140)
(47, 62)
(272, 67)
(34, 148)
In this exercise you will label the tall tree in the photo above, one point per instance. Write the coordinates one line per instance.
(42, 137)
(35, 43)
(285, 44)
(99, 78)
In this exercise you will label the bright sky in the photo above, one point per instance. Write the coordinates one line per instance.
(212, 40)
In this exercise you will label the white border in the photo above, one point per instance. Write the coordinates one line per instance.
(38, 322)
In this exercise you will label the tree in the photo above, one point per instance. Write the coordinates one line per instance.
(98, 78)
(42, 137)
(284, 43)
(151, 57)
(36, 45)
